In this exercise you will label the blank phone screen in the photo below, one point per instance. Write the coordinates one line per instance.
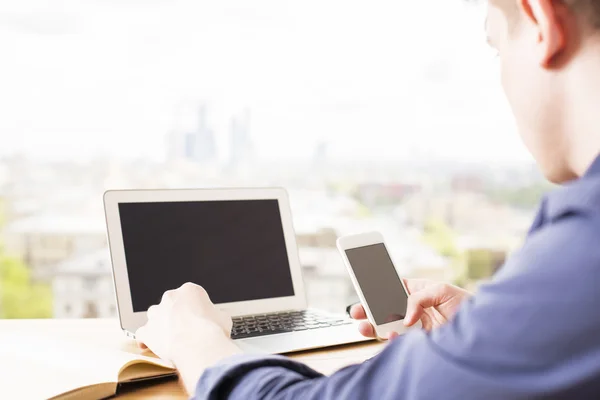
(379, 282)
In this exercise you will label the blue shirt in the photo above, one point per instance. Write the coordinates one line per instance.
(533, 332)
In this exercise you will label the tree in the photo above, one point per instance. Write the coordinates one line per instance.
(19, 296)
(526, 197)
(480, 264)
(440, 236)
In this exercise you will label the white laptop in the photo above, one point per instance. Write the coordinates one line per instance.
(239, 244)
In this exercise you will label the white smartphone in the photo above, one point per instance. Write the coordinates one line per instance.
(379, 287)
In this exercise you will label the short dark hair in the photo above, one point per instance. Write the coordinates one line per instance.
(589, 10)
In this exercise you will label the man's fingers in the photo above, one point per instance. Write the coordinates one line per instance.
(167, 296)
(151, 312)
(358, 312)
(414, 312)
(413, 317)
(193, 289)
(140, 337)
(426, 322)
(418, 302)
(366, 329)
(226, 322)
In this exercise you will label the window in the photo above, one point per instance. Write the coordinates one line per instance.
(90, 283)
(368, 115)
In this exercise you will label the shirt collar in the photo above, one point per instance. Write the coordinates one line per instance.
(579, 196)
(594, 169)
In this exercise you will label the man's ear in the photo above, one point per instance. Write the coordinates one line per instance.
(546, 17)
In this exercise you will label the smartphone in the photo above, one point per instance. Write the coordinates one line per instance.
(379, 287)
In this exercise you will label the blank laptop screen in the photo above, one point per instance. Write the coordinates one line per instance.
(234, 249)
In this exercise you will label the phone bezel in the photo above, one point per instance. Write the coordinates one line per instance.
(362, 240)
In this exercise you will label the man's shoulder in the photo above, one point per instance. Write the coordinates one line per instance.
(564, 249)
(578, 197)
(569, 236)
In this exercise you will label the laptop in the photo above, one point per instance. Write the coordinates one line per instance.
(239, 244)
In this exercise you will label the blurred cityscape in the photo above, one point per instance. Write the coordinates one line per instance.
(442, 220)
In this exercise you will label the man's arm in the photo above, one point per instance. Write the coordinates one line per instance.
(532, 332)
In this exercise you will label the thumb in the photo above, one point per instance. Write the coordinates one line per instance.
(226, 322)
(140, 337)
(418, 302)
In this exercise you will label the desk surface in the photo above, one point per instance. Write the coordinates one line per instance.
(108, 333)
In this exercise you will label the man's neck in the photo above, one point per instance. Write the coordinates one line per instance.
(582, 110)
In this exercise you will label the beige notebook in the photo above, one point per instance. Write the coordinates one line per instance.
(70, 371)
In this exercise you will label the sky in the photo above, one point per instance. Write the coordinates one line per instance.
(374, 80)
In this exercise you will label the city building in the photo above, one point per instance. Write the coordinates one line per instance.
(82, 286)
(319, 219)
(195, 144)
(240, 141)
(53, 217)
(45, 240)
(15, 209)
(465, 182)
(320, 155)
(326, 281)
(377, 194)
(466, 213)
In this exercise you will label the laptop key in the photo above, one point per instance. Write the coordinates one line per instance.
(282, 330)
(268, 324)
(243, 335)
(300, 328)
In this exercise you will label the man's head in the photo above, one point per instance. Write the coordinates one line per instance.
(550, 60)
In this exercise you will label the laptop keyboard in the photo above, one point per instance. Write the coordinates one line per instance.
(283, 322)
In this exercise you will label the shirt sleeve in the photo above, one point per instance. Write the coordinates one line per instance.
(531, 333)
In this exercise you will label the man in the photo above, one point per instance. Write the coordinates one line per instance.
(531, 333)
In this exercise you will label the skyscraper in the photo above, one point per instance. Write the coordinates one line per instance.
(193, 142)
(320, 154)
(202, 145)
(240, 143)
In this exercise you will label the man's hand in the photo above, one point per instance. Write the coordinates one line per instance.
(433, 303)
(188, 330)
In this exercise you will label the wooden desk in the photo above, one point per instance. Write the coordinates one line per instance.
(107, 333)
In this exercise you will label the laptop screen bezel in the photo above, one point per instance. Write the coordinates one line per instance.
(130, 320)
